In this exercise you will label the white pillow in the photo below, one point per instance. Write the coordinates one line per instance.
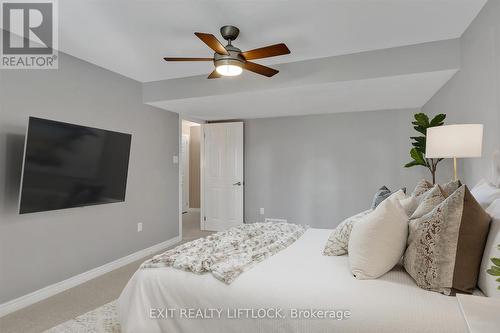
(485, 193)
(378, 241)
(409, 204)
(486, 282)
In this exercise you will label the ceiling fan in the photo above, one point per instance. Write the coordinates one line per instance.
(229, 60)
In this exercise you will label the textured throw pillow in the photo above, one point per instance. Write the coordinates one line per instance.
(485, 193)
(422, 187)
(430, 199)
(339, 238)
(488, 283)
(445, 246)
(410, 204)
(451, 187)
(382, 194)
(378, 240)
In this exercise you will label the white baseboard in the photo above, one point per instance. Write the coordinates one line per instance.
(56, 288)
(193, 209)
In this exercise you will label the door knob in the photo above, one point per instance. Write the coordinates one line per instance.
(237, 184)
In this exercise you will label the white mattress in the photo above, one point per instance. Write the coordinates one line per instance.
(298, 277)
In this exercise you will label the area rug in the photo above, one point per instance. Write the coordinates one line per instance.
(101, 320)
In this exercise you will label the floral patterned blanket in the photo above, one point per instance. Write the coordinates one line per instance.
(229, 253)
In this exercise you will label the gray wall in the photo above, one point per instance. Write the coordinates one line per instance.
(473, 94)
(39, 249)
(320, 169)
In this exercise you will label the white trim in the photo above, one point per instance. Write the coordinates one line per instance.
(179, 179)
(202, 177)
(56, 288)
(183, 165)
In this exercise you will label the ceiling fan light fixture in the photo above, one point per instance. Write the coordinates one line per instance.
(228, 67)
(229, 70)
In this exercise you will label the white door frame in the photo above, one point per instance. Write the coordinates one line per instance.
(202, 177)
(185, 165)
(179, 180)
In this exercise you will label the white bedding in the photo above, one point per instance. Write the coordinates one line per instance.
(297, 277)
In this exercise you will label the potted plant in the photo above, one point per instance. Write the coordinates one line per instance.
(417, 153)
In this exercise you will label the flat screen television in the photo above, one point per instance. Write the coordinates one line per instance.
(68, 165)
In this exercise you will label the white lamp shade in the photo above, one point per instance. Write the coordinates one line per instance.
(465, 140)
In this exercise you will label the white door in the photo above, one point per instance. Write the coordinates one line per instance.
(222, 176)
(185, 172)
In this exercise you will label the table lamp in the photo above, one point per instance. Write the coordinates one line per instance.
(454, 141)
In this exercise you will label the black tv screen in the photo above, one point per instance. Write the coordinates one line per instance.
(68, 165)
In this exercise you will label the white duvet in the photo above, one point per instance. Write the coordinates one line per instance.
(299, 277)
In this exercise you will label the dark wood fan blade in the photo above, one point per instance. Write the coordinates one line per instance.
(212, 42)
(266, 52)
(259, 69)
(188, 59)
(214, 75)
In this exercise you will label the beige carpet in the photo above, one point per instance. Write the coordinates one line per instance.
(86, 297)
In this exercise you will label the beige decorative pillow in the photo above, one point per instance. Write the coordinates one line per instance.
(339, 238)
(445, 246)
(451, 187)
(422, 187)
(430, 199)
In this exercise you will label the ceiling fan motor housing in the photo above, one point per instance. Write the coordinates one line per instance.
(234, 57)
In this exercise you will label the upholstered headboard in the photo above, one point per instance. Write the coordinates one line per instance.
(495, 172)
(487, 283)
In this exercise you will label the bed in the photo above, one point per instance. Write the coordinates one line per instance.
(299, 277)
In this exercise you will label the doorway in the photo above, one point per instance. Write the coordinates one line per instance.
(189, 172)
(211, 177)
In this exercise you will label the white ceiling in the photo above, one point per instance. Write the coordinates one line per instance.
(131, 37)
(397, 92)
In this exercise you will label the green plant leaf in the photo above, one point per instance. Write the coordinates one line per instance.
(422, 119)
(419, 143)
(498, 280)
(418, 138)
(412, 164)
(417, 156)
(496, 261)
(438, 120)
(419, 147)
(420, 129)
